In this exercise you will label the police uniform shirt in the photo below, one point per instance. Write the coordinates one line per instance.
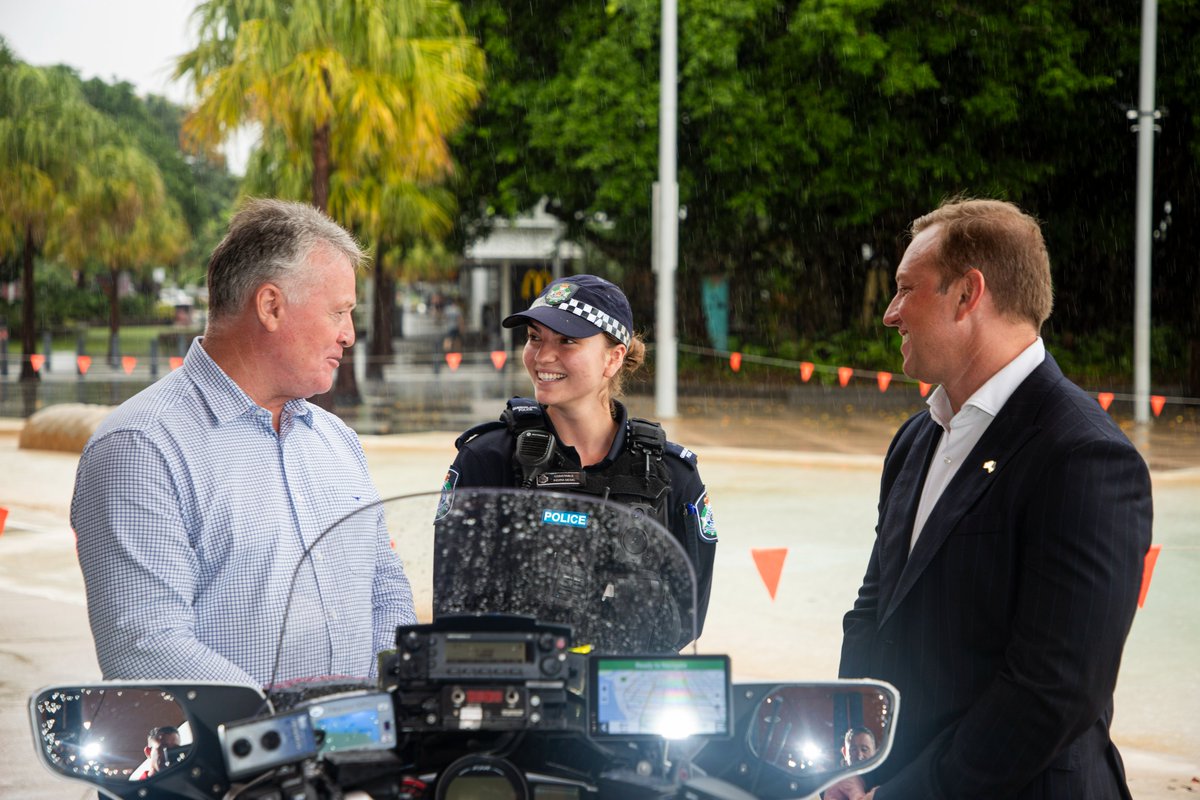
(486, 460)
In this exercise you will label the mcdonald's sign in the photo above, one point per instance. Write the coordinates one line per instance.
(530, 283)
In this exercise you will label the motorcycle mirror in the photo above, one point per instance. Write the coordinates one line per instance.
(802, 738)
(100, 733)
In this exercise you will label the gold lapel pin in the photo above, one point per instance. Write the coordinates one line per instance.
(990, 466)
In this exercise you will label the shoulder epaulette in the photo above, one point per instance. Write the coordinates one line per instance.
(646, 435)
(683, 454)
(478, 430)
(520, 413)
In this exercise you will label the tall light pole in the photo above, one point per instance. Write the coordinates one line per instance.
(1147, 122)
(667, 222)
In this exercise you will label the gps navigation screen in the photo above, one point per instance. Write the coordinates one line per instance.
(671, 696)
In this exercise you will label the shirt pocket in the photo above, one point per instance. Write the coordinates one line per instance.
(349, 521)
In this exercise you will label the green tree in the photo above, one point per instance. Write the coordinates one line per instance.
(809, 128)
(74, 189)
(123, 219)
(46, 131)
(337, 87)
(202, 188)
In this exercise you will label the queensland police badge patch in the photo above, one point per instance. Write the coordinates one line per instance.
(447, 499)
(560, 294)
(708, 522)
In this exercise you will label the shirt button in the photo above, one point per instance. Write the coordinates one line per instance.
(949, 460)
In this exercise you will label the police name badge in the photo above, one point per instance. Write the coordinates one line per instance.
(558, 480)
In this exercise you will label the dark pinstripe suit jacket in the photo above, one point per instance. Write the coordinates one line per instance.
(1003, 629)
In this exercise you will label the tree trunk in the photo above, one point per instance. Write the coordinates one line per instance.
(345, 389)
(1193, 381)
(321, 167)
(381, 318)
(322, 160)
(28, 312)
(114, 313)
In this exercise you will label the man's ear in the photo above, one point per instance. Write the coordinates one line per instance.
(970, 287)
(269, 305)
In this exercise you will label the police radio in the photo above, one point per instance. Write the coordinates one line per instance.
(483, 672)
(534, 450)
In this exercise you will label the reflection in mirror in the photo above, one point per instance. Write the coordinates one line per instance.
(823, 729)
(115, 734)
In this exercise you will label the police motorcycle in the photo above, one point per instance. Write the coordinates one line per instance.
(545, 665)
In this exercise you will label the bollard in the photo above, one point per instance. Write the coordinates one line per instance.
(47, 348)
(154, 359)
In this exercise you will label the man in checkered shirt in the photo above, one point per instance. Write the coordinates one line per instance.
(202, 504)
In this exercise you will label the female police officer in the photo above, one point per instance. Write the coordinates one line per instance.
(579, 346)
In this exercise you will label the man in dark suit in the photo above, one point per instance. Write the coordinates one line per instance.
(1014, 518)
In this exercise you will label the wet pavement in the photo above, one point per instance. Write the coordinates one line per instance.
(778, 479)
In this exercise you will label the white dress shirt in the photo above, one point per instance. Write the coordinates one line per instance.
(962, 431)
(201, 536)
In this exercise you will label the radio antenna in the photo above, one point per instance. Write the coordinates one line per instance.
(287, 608)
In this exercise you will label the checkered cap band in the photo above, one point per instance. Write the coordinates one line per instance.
(598, 318)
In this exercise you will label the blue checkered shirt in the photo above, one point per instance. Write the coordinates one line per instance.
(192, 514)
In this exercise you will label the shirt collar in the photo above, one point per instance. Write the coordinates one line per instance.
(225, 399)
(621, 416)
(994, 393)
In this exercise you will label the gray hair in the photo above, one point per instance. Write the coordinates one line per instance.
(270, 241)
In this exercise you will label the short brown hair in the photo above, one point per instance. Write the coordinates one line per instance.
(1002, 242)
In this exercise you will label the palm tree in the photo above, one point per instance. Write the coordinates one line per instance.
(47, 130)
(122, 218)
(393, 213)
(335, 85)
(339, 80)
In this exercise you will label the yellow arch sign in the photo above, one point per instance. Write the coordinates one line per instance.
(533, 282)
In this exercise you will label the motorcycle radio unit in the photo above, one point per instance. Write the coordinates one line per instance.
(482, 672)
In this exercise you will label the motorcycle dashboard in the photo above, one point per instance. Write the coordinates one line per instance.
(657, 696)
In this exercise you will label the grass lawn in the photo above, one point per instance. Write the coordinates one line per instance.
(134, 339)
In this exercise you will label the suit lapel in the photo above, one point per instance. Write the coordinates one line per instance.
(998, 446)
(895, 527)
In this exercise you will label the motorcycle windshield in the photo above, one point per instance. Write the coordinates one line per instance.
(617, 577)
